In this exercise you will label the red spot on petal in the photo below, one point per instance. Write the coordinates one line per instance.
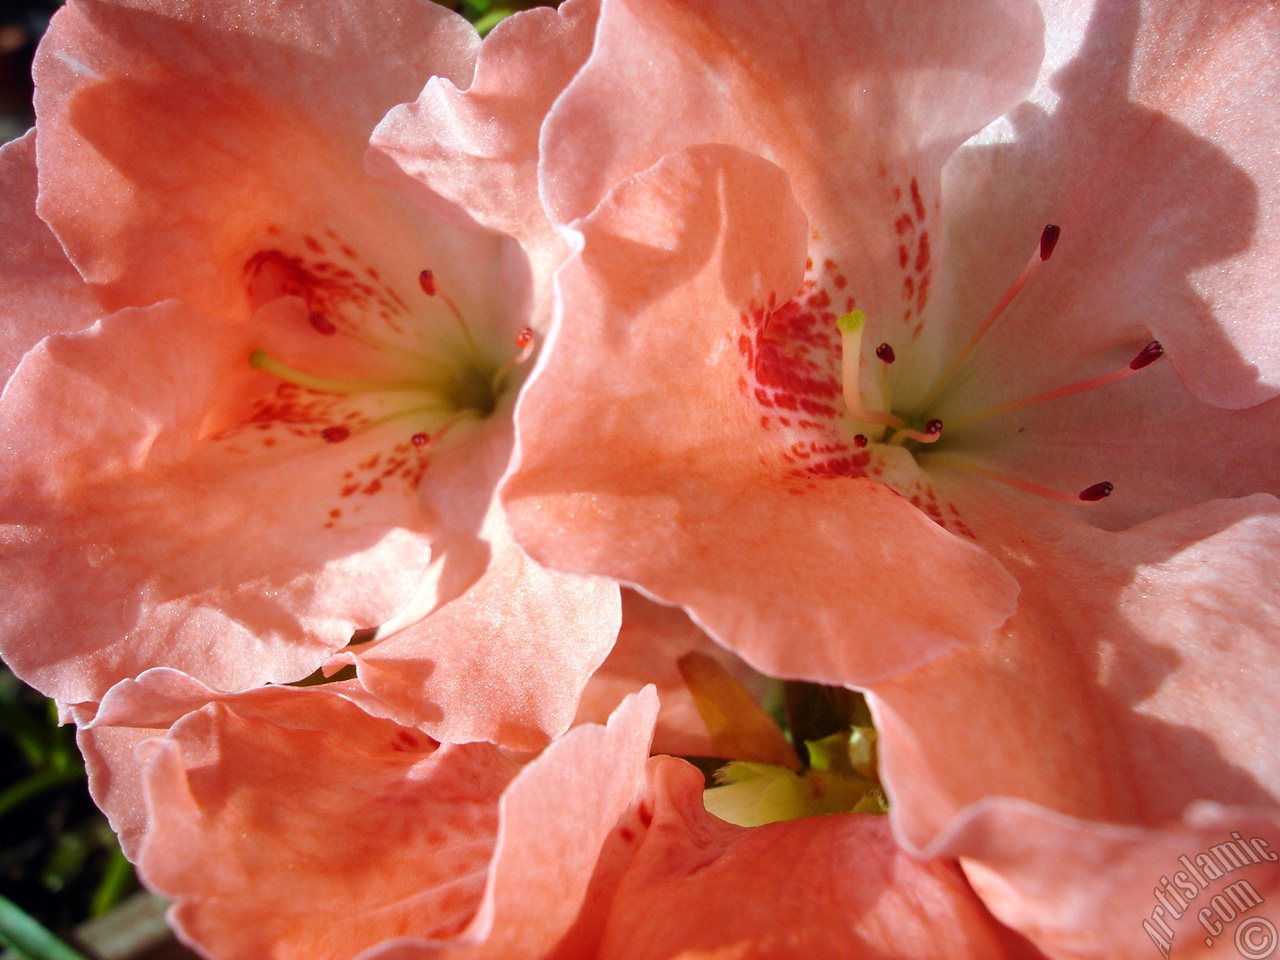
(322, 324)
(428, 281)
(335, 434)
(645, 814)
(313, 244)
(916, 200)
(922, 253)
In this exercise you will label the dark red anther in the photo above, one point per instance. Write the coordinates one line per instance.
(420, 439)
(1049, 240)
(335, 434)
(933, 427)
(1099, 491)
(1152, 352)
(428, 281)
(859, 441)
(322, 324)
(524, 337)
(885, 353)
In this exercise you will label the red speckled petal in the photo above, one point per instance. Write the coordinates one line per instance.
(1138, 676)
(40, 291)
(1087, 891)
(660, 463)
(567, 821)
(835, 886)
(375, 831)
(172, 136)
(1150, 141)
(135, 538)
(859, 101)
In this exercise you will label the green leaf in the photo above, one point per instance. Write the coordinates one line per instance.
(29, 938)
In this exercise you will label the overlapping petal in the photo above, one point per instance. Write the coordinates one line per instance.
(668, 465)
(834, 886)
(298, 429)
(381, 840)
(40, 292)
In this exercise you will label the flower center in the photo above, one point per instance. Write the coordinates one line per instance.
(871, 417)
(428, 394)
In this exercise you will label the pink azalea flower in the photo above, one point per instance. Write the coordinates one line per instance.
(864, 512)
(290, 823)
(289, 419)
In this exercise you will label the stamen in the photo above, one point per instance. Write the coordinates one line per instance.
(885, 354)
(261, 360)
(1149, 354)
(524, 342)
(427, 280)
(1099, 491)
(1091, 494)
(850, 327)
(1044, 249)
(420, 439)
(859, 440)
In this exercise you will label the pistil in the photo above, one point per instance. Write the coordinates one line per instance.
(851, 326)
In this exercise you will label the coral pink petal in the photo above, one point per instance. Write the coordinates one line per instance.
(172, 137)
(375, 832)
(1136, 678)
(1149, 141)
(477, 148)
(652, 638)
(40, 291)
(859, 105)
(505, 662)
(835, 886)
(568, 818)
(660, 460)
(133, 538)
(1087, 891)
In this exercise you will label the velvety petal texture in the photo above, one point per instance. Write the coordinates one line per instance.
(382, 843)
(374, 830)
(1124, 698)
(669, 464)
(834, 886)
(477, 148)
(171, 133)
(1195, 889)
(40, 292)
